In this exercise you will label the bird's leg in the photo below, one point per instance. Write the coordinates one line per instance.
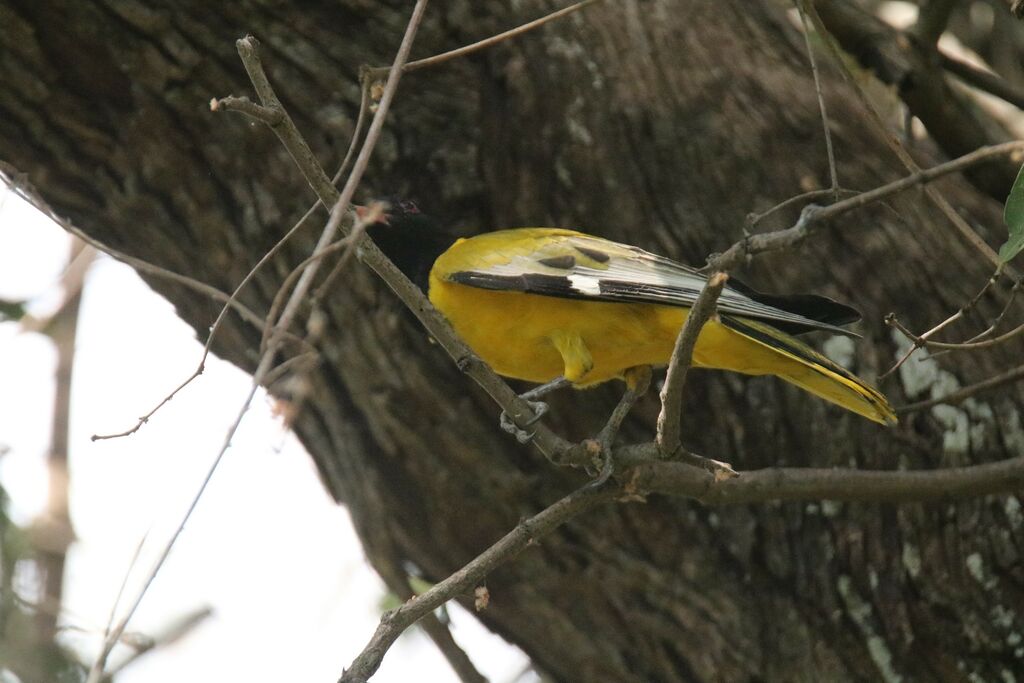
(545, 389)
(638, 380)
(539, 408)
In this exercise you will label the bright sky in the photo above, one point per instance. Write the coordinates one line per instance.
(267, 549)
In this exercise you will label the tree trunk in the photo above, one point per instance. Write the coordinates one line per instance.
(658, 123)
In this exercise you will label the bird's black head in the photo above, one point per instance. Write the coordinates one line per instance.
(410, 238)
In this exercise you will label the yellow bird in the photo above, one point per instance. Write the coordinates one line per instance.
(543, 304)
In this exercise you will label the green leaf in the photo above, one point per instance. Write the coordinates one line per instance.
(11, 310)
(1013, 214)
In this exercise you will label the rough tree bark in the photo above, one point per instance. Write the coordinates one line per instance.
(660, 123)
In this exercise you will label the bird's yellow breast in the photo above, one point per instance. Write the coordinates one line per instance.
(518, 334)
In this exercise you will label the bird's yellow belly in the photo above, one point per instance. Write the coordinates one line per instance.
(518, 334)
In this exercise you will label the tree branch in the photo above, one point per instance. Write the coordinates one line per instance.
(668, 438)
(833, 174)
(813, 215)
(899, 59)
(999, 183)
(394, 622)
(303, 156)
(456, 656)
(376, 72)
(963, 394)
(920, 341)
(801, 484)
(23, 189)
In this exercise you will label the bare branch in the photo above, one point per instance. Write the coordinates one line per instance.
(10, 177)
(833, 174)
(919, 341)
(145, 418)
(948, 346)
(962, 395)
(792, 484)
(1002, 314)
(232, 300)
(168, 635)
(394, 622)
(679, 365)
(303, 156)
(456, 656)
(812, 215)
(754, 218)
(244, 105)
(939, 103)
(485, 43)
(647, 474)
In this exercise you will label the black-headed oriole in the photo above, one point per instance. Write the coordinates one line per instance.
(540, 303)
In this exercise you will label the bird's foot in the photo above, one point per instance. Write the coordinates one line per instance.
(539, 409)
(607, 468)
(522, 436)
(638, 380)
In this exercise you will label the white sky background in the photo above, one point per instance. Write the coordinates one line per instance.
(267, 549)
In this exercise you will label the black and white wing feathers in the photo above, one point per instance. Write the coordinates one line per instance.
(568, 264)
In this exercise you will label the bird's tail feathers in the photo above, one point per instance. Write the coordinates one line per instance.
(815, 373)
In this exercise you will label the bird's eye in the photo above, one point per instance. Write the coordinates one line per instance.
(409, 206)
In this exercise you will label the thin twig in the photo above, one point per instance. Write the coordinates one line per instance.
(124, 585)
(168, 635)
(364, 107)
(833, 174)
(364, 104)
(754, 218)
(145, 418)
(229, 304)
(270, 330)
(999, 318)
(960, 313)
(953, 346)
(550, 444)
(394, 622)
(485, 43)
(347, 244)
(302, 361)
(812, 216)
(646, 474)
(244, 105)
(456, 656)
(287, 132)
(668, 438)
(23, 190)
(965, 230)
(232, 300)
(961, 395)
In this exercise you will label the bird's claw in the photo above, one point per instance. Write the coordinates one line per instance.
(607, 465)
(607, 468)
(522, 436)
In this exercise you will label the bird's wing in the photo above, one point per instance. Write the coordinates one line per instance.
(569, 264)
